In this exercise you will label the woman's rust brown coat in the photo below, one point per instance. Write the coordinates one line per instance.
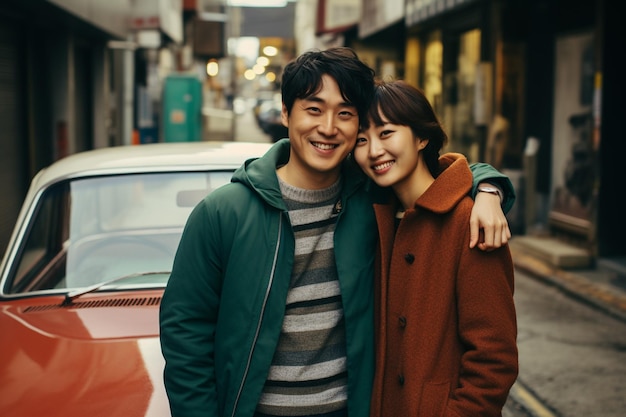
(446, 325)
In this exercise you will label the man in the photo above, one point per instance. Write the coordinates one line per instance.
(269, 307)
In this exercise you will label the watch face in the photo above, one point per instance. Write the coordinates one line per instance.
(488, 190)
(491, 190)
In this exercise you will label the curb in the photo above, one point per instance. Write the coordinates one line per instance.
(604, 297)
(527, 402)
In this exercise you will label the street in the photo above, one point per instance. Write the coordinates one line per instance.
(572, 357)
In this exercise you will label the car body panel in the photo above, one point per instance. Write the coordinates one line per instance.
(79, 350)
(97, 357)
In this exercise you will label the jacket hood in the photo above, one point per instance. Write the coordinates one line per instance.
(259, 174)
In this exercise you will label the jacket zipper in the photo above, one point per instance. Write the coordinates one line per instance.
(258, 327)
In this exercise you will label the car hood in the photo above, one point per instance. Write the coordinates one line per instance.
(99, 356)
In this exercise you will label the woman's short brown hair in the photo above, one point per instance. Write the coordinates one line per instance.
(402, 104)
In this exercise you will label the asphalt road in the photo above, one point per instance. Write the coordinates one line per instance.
(572, 356)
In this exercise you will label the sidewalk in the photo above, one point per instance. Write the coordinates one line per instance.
(602, 285)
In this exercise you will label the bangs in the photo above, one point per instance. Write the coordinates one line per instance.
(389, 105)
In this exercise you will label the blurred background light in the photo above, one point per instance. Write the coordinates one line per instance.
(212, 68)
(248, 48)
(257, 3)
(270, 50)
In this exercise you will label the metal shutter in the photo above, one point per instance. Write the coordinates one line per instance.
(12, 138)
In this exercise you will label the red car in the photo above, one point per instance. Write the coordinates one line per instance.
(83, 275)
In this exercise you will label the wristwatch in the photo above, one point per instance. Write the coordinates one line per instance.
(491, 190)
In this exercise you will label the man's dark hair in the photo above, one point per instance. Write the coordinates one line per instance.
(302, 77)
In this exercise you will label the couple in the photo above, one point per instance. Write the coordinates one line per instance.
(281, 275)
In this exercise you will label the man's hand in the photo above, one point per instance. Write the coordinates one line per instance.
(489, 228)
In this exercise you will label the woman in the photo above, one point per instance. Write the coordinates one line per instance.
(446, 325)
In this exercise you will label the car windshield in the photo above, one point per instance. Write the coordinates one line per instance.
(91, 230)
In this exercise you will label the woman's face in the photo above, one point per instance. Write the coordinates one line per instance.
(388, 154)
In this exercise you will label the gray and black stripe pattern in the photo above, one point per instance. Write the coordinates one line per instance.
(308, 373)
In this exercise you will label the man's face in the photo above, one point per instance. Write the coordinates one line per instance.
(322, 131)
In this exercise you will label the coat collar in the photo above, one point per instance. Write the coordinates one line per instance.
(451, 186)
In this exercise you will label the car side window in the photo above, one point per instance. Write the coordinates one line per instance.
(42, 257)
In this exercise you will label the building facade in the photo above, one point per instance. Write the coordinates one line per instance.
(530, 86)
(68, 72)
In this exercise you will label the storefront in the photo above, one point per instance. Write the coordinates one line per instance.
(449, 57)
(500, 73)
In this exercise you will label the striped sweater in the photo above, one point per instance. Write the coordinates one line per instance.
(308, 372)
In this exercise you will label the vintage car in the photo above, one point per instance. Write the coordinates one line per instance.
(84, 271)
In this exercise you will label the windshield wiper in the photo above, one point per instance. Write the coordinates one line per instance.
(72, 295)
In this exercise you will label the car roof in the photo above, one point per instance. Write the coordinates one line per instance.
(170, 156)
